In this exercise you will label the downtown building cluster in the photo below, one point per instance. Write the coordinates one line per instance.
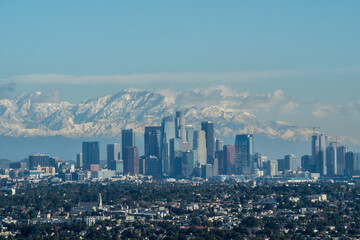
(177, 150)
(328, 158)
(174, 149)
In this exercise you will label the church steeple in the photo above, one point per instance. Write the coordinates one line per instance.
(100, 202)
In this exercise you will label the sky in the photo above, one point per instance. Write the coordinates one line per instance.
(294, 61)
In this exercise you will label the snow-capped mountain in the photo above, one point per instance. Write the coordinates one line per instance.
(30, 115)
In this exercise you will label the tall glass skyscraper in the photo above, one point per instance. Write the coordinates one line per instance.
(229, 159)
(180, 126)
(318, 152)
(91, 153)
(314, 153)
(290, 162)
(127, 140)
(219, 145)
(341, 163)
(190, 135)
(208, 128)
(331, 159)
(131, 162)
(244, 151)
(167, 133)
(200, 146)
(175, 153)
(152, 138)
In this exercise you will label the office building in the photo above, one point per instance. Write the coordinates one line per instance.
(180, 131)
(187, 166)
(176, 149)
(208, 128)
(113, 154)
(38, 160)
(229, 159)
(17, 165)
(152, 166)
(190, 135)
(305, 163)
(131, 161)
(90, 153)
(127, 140)
(320, 158)
(281, 165)
(219, 144)
(244, 151)
(117, 166)
(341, 164)
(167, 133)
(221, 163)
(318, 150)
(152, 138)
(200, 146)
(290, 163)
(258, 160)
(352, 161)
(79, 160)
(331, 159)
(207, 171)
(271, 168)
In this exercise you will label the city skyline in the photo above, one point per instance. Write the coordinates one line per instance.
(179, 119)
(180, 158)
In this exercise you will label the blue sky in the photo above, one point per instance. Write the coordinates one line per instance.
(310, 50)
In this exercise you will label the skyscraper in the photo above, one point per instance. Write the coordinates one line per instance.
(259, 159)
(229, 159)
(79, 160)
(131, 161)
(322, 155)
(314, 154)
(127, 140)
(91, 153)
(113, 153)
(152, 138)
(290, 162)
(167, 133)
(331, 159)
(219, 145)
(175, 153)
(352, 160)
(318, 153)
(208, 127)
(221, 163)
(272, 167)
(187, 165)
(152, 165)
(190, 135)
(200, 146)
(341, 164)
(305, 163)
(244, 151)
(180, 131)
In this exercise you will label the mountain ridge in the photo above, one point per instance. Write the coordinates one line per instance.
(31, 115)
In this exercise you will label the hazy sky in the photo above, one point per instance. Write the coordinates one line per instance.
(296, 61)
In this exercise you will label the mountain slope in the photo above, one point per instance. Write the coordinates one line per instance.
(30, 116)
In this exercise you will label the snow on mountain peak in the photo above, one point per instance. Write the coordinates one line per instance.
(39, 114)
